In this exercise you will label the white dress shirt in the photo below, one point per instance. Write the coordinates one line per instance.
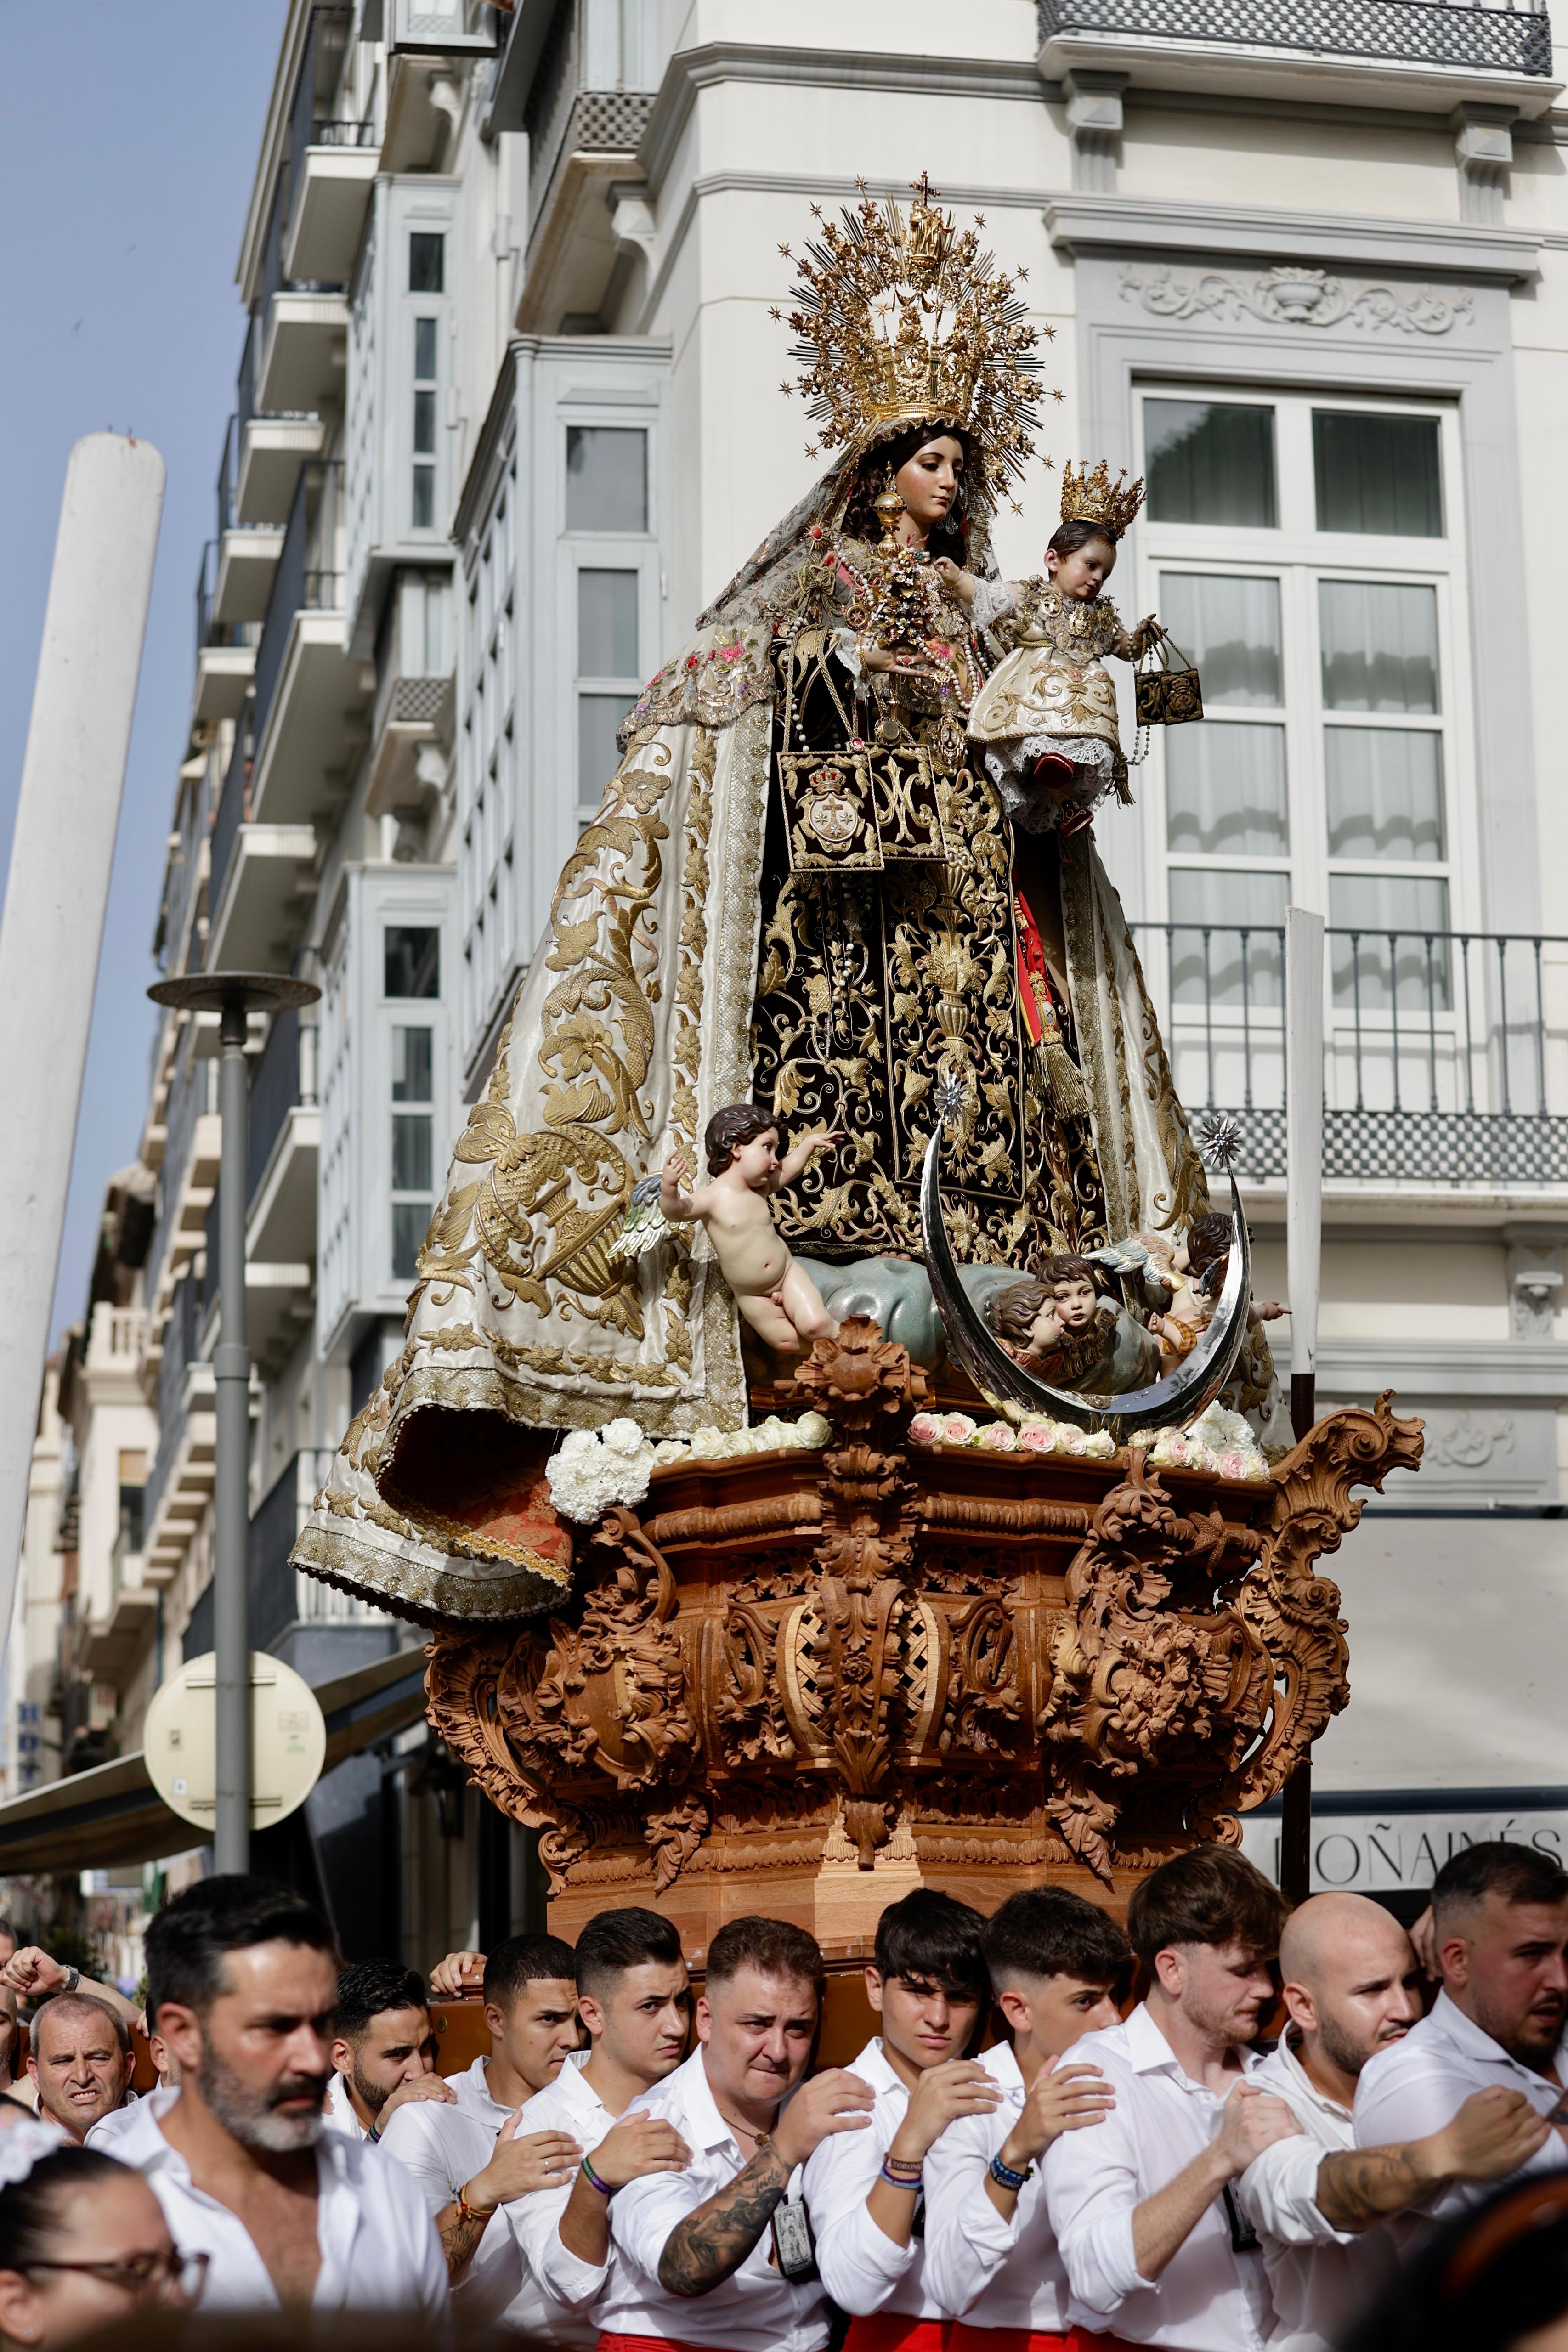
(862, 2268)
(108, 2131)
(339, 2111)
(1319, 2278)
(1419, 2085)
(1208, 2298)
(444, 2146)
(379, 2249)
(980, 2269)
(756, 2309)
(521, 2276)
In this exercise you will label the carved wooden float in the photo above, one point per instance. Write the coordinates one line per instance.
(802, 1684)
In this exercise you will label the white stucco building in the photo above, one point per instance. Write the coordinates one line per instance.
(508, 411)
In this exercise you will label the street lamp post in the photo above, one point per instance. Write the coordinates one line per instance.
(233, 996)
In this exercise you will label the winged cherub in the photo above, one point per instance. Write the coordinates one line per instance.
(778, 1299)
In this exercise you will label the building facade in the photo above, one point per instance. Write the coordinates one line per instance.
(508, 411)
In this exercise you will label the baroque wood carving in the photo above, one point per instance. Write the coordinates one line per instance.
(1041, 1666)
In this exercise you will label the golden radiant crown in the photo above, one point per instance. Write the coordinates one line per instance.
(904, 320)
(1095, 497)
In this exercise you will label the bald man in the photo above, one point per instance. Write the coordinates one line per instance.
(1352, 1986)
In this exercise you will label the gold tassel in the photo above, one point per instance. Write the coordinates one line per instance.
(1060, 1077)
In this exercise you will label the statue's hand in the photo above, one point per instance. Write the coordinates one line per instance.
(957, 583)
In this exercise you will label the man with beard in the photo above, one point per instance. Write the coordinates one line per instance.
(383, 2048)
(242, 1984)
(1155, 2248)
(1351, 1989)
(80, 2060)
(1500, 1922)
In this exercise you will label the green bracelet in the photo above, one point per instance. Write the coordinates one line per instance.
(604, 2188)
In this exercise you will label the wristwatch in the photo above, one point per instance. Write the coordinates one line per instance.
(73, 1978)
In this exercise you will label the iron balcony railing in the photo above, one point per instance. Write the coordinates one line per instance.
(208, 631)
(1446, 1053)
(281, 1077)
(181, 1348)
(232, 809)
(301, 582)
(320, 69)
(1426, 32)
(282, 1596)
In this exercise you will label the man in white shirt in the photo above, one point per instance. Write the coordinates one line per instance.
(1155, 2248)
(80, 2060)
(865, 2190)
(1057, 1964)
(468, 2154)
(718, 2254)
(543, 2263)
(1501, 1925)
(243, 1985)
(383, 2051)
(1351, 1989)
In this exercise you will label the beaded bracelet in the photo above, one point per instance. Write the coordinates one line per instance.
(1005, 2177)
(604, 2188)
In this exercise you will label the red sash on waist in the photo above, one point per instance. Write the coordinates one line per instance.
(967, 2337)
(897, 2331)
(609, 2342)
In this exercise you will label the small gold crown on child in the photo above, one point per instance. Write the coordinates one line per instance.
(1095, 497)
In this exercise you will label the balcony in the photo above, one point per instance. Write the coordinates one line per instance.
(189, 1174)
(332, 163)
(1407, 53)
(411, 713)
(264, 878)
(284, 1139)
(573, 77)
(309, 697)
(293, 361)
(1445, 1060)
(226, 651)
(282, 1596)
(180, 1486)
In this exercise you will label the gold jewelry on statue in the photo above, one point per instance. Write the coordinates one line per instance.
(903, 321)
(888, 506)
(1096, 499)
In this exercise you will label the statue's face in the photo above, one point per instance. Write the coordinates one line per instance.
(928, 482)
(1075, 1303)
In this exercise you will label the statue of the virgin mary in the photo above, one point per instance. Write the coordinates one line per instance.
(799, 890)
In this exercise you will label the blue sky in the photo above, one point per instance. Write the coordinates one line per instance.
(129, 145)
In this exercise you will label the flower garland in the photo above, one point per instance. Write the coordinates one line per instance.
(1218, 1442)
(596, 1467)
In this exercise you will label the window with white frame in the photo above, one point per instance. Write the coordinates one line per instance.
(427, 275)
(1305, 550)
(609, 550)
(412, 975)
(487, 763)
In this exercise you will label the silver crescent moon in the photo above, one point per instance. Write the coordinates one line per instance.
(1002, 1380)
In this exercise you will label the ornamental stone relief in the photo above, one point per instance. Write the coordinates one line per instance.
(1286, 296)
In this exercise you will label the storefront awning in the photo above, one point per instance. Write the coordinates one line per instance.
(93, 1821)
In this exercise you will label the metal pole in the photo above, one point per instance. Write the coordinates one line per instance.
(231, 1369)
(1304, 1250)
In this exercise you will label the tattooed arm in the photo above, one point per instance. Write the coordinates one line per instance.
(1493, 2134)
(459, 2234)
(714, 2240)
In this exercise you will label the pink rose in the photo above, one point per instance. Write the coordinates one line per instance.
(1231, 1465)
(925, 1429)
(1036, 1437)
(957, 1429)
(999, 1436)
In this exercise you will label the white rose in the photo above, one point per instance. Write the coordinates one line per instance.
(623, 1436)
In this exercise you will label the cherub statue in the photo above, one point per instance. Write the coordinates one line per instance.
(1199, 1264)
(777, 1298)
(1046, 718)
(1062, 1329)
